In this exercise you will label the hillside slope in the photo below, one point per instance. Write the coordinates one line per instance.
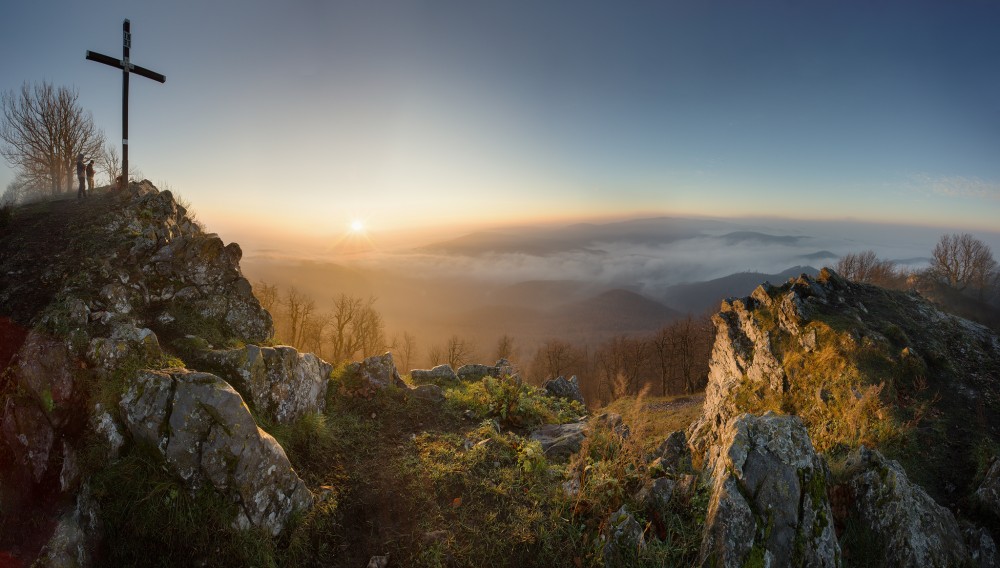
(146, 418)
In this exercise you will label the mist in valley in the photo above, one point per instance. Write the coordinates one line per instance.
(582, 283)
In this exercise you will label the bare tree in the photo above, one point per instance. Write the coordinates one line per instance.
(435, 356)
(313, 331)
(299, 308)
(267, 295)
(680, 353)
(557, 358)
(42, 131)
(619, 363)
(691, 347)
(505, 347)
(369, 331)
(19, 190)
(459, 351)
(866, 267)
(661, 355)
(406, 348)
(355, 326)
(963, 261)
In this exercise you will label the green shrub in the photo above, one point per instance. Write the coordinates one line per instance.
(513, 404)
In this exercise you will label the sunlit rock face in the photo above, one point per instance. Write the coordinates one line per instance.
(813, 343)
(853, 365)
(207, 435)
(376, 372)
(769, 502)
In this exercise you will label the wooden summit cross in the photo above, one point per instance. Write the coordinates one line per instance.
(126, 66)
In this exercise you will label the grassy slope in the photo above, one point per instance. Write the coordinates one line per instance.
(435, 486)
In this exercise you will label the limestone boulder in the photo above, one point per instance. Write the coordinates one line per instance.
(280, 382)
(560, 441)
(475, 372)
(505, 369)
(127, 342)
(982, 548)
(624, 540)
(912, 530)
(560, 387)
(432, 393)
(376, 372)
(206, 434)
(768, 499)
(442, 375)
(673, 453)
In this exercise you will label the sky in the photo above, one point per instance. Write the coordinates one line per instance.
(303, 116)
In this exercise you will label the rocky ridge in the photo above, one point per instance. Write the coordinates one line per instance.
(138, 275)
(849, 367)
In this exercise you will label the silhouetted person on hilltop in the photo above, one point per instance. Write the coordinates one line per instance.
(90, 176)
(81, 171)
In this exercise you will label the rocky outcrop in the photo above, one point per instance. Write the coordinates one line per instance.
(280, 383)
(126, 343)
(186, 277)
(140, 265)
(44, 401)
(561, 388)
(76, 538)
(673, 454)
(375, 373)
(432, 393)
(560, 440)
(825, 342)
(912, 530)
(206, 434)
(442, 375)
(988, 493)
(768, 497)
(624, 540)
(475, 372)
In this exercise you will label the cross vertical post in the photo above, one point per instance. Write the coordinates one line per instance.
(126, 45)
(127, 67)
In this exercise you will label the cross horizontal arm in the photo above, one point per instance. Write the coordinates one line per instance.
(101, 58)
(147, 73)
(132, 68)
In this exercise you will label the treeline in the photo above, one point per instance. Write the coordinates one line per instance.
(962, 276)
(673, 360)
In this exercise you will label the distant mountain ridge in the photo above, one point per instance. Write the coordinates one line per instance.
(700, 297)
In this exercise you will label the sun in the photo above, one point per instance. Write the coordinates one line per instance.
(357, 226)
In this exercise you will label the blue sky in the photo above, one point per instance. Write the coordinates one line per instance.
(300, 116)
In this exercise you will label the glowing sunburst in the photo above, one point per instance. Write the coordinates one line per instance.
(357, 226)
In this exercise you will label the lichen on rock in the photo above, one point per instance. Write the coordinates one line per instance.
(768, 496)
(206, 434)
